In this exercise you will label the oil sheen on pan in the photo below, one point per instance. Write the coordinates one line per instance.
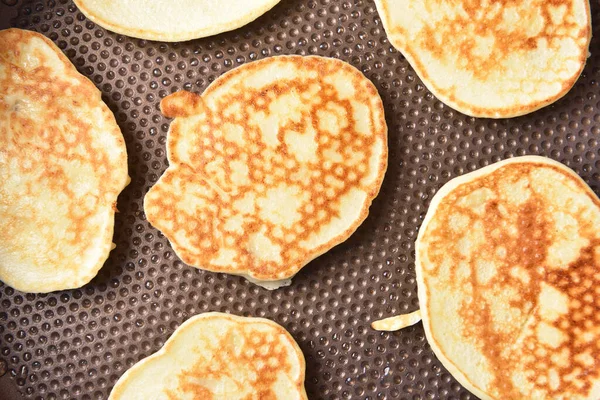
(277, 162)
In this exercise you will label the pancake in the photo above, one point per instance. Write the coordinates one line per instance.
(173, 21)
(219, 356)
(492, 59)
(508, 274)
(63, 163)
(397, 322)
(277, 162)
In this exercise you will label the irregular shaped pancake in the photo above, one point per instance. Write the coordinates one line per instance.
(277, 162)
(508, 273)
(219, 356)
(492, 59)
(173, 21)
(63, 163)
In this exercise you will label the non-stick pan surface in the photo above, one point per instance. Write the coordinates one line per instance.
(75, 344)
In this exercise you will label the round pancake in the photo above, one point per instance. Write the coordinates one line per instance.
(173, 21)
(508, 274)
(63, 163)
(277, 162)
(219, 356)
(492, 59)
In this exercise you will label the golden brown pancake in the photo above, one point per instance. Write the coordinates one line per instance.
(63, 163)
(173, 21)
(217, 356)
(277, 162)
(508, 273)
(492, 59)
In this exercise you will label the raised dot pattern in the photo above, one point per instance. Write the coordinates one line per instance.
(75, 344)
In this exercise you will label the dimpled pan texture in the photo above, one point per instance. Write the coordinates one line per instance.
(507, 270)
(76, 344)
(219, 356)
(62, 165)
(277, 162)
(492, 59)
(173, 21)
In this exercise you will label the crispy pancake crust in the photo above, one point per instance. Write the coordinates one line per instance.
(173, 21)
(507, 263)
(277, 162)
(219, 356)
(63, 163)
(493, 59)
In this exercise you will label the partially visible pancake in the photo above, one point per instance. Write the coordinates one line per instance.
(63, 163)
(397, 322)
(492, 59)
(277, 162)
(217, 356)
(173, 21)
(508, 273)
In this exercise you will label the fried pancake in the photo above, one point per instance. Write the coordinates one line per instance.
(219, 356)
(277, 162)
(492, 59)
(397, 322)
(173, 21)
(508, 273)
(63, 163)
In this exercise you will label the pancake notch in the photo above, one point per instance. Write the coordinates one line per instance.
(173, 21)
(508, 273)
(492, 59)
(275, 164)
(63, 163)
(219, 356)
